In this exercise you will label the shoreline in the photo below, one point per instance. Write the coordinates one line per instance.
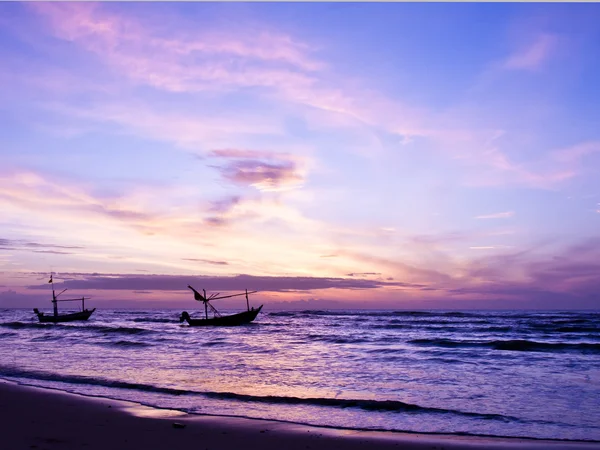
(145, 410)
(46, 418)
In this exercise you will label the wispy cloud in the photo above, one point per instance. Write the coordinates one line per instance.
(207, 261)
(19, 244)
(574, 154)
(534, 54)
(500, 215)
(186, 61)
(432, 239)
(361, 274)
(189, 130)
(230, 59)
(490, 247)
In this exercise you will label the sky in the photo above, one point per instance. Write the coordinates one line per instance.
(328, 155)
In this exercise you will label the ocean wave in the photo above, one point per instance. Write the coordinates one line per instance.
(214, 343)
(336, 339)
(512, 345)
(364, 404)
(118, 330)
(155, 320)
(362, 313)
(368, 405)
(129, 344)
(577, 329)
(19, 325)
(47, 338)
(82, 328)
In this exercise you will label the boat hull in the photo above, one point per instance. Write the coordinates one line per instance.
(226, 321)
(81, 315)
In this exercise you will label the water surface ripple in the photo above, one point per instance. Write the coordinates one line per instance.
(529, 374)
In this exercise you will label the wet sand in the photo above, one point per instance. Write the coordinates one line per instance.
(46, 419)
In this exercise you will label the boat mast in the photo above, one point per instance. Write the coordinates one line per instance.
(247, 302)
(54, 301)
(205, 304)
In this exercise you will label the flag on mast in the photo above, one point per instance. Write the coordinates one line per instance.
(50, 280)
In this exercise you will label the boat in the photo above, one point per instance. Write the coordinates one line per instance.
(84, 314)
(218, 319)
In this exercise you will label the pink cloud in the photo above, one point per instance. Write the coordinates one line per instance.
(231, 59)
(273, 171)
(235, 153)
(533, 55)
(262, 175)
(53, 201)
(501, 215)
(223, 60)
(190, 131)
(482, 151)
(574, 154)
(192, 60)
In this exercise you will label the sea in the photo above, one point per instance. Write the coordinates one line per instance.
(491, 373)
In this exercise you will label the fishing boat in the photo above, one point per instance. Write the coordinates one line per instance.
(218, 319)
(84, 314)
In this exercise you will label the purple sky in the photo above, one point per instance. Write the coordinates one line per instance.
(328, 155)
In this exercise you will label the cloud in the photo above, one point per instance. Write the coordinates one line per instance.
(490, 247)
(190, 130)
(533, 55)
(360, 274)
(501, 215)
(216, 221)
(46, 196)
(283, 67)
(406, 271)
(537, 277)
(225, 204)
(263, 176)
(574, 154)
(191, 59)
(273, 172)
(217, 283)
(234, 153)
(433, 239)
(36, 247)
(555, 278)
(207, 261)
(240, 58)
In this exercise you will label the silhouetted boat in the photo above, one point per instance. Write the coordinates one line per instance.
(217, 319)
(84, 314)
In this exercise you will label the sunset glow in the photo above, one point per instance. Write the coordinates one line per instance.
(383, 155)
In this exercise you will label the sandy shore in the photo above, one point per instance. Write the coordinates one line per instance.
(44, 419)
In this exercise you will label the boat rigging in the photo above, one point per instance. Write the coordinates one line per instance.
(218, 319)
(84, 314)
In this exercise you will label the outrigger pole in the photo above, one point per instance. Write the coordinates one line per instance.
(55, 299)
(203, 298)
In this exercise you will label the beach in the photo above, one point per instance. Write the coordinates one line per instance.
(47, 419)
